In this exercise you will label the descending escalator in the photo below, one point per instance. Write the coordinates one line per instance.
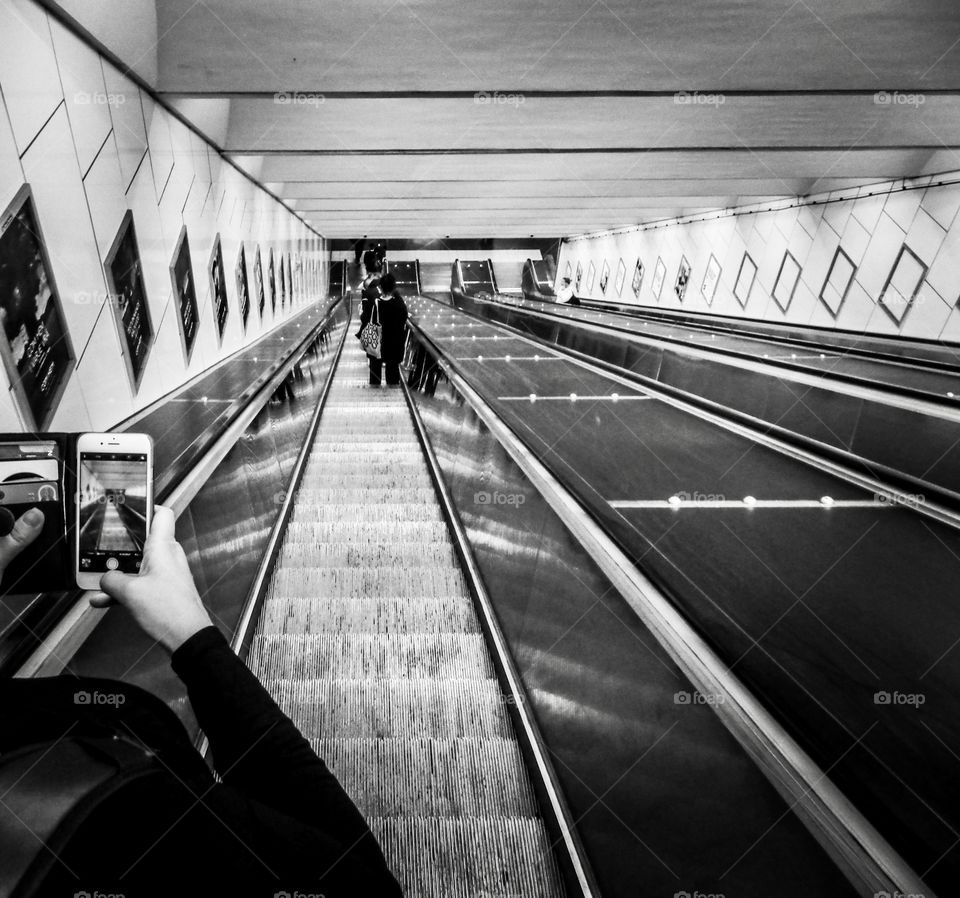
(368, 638)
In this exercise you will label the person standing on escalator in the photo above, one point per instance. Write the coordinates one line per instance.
(389, 309)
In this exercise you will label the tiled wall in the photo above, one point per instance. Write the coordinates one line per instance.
(91, 146)
(901, 245)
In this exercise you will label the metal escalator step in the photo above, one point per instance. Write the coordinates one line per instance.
(467, 857)
(387, 510)
(386, 480)
(344, 554)
(411, 708)
(431, 777)
(376, 614)
(331, 445)
(367, 495)
(380, 656)
(411, 581)
(432, 532)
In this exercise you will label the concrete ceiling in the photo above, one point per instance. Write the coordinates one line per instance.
(425, 118)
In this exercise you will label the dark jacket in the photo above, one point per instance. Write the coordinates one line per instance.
(393, 318)
(278, 821)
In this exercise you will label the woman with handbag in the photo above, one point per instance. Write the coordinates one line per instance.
(388, 313)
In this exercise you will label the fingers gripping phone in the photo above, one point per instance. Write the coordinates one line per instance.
(114, 504)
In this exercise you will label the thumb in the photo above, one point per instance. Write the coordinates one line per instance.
(26, 529)
(116, 585)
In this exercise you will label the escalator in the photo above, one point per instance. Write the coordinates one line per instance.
(369, 639)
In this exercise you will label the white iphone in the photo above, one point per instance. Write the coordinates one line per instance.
(114, 503)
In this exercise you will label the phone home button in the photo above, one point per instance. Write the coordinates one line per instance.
(112, 564)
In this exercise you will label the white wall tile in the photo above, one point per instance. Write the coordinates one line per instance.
(880, 255)
(944, 273)
(72, 414)
(123, 100)
(902, 207)
(28, 69)
(106, 197)
(942, 203)
(84, 92)
(927, 315)
(103, 377)
(867, 209)
(856, 310)
(854, 240)
(951, 330)
(10, 420)
(925, 237)
(11, 172)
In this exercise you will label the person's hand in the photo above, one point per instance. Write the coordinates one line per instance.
(162, 598)
(24, 531)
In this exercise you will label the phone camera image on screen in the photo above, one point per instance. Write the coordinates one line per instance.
(113, 511)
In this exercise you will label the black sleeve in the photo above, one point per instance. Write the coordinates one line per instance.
(259, 752)
(366, 307)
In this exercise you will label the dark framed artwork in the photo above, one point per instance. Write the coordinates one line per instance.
(290, 277)
(567, 271)
(604, 277)
(659, 276)
(683, 278)
(579, 279)
(903, 284)
(711, 278)
(218, 288)
(185, 294)
(258, 283)
(243, 286)
(838, 281)
(745, 278)
(128, 299)
(36, 348)
(621, 277)
(637, 278)
(591, 276)
(786, 283)
(271, 276)
(283, 283)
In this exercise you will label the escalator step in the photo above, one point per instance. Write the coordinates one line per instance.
(382, 510)
(434, 532)
(344, 554)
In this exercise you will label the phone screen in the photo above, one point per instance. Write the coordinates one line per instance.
(112, 511)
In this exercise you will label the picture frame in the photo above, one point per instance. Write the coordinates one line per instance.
(711, 279)
(904, 280)
(218, 288)
(837, 283)
(621, 277)
(591, 276)
(637, 281)
(281, 266)
(788, 276)
(243, 286)
(272, 277)
(567, 270)
(185, 294)
(36, 348)
(258, 283)
(659, 276)
(604, 277)
(683, 278)
(128, 299)
(746, 275)
(579, 279)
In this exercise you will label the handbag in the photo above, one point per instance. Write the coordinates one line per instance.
(371, 336)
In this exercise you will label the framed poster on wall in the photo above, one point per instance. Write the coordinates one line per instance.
(604, 277)
(683, 278)
(243, 286)
(271, 276)
(576, 284)
(903, 284)
(128, 298)
(637, 278)
(745, 278)
(218, 287)
(711, 277)
(786, 283)
(185, 294)
(659, 276)
(36, 348)
(290, 276)
(567, 271)
(591, 276)
(621, 277)
(283, 282)
(258, 283)
(839, 279)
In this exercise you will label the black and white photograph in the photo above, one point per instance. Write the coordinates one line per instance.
(37, 353)
(185, 293)
(127, 298)
(562, 496)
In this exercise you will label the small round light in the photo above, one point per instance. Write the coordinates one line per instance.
(573, 397)
(826, 500)
(533, 397)
(614, 396)
(749, 500)
(479, 358)
(675, 501)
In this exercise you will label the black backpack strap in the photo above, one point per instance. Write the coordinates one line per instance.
(47, 791)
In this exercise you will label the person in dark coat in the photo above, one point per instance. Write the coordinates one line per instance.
(392, 314)
(276, 821)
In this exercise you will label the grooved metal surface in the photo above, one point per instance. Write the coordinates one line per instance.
(369, 640)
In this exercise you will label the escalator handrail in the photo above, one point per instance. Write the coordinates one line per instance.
(861, 852)
(65, 634)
